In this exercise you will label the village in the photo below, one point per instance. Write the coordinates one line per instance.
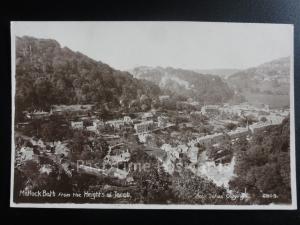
(183, 136)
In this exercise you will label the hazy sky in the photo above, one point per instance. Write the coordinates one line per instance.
(189, 45)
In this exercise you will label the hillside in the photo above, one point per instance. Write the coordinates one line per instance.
(207, 89)
(267, 83)
(264, 164)
(48, 74)
(224, 73)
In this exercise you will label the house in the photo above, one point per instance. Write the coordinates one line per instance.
(92, 129)
(117, 124)
(77, 124)
(196, 105)
(183, 105)
(26, 153)
(117, 173)
(182, 149)
(39, 142)
(144, 137)
(143, 127)
(260, 126)
(193, 154)
(233, 110)
(239, 132)
(95, 127)
(90, 170)
(210, 139)
(196, 113)
(147, 116)
(170, 151)
(61, 148)
(210, 110)
(99, 124)
(158, 153)
(127, 119)
(162, 121)
(115, 159)
(164, 98)
(23, 125)
(37, 115)
(129, 180)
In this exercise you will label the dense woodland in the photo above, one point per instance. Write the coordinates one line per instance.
(263, 165)
(48, 74)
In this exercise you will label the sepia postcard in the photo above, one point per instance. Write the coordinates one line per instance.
(153, 115)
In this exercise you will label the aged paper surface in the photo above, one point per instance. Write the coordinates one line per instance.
(167, 115)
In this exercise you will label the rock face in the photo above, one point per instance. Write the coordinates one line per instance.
(204, 88)
(268, 83)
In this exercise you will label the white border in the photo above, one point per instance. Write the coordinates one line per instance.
(292, 206)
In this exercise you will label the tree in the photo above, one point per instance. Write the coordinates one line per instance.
(263, 119)
(48, 131)
(43, 93)
(153, 185)
(189, 188)
(230, 126)
(262, 166)
(54, 75)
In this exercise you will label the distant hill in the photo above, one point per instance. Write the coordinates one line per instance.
(267, 83)
(224, 73)
(204, 88)
(48, 74)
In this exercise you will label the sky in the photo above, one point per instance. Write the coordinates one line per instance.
(187, 45)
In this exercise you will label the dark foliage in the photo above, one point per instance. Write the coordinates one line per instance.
(47, 74)
(263, 166)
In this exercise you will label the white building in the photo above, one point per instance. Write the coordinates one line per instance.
(193, 154)
(143, 137)
(98, 123)
(210, 109)
(118, 173)
(164, 98)
(115, 159)
(143, 127)
(210, 139)
(92, 129)
(90, 170)
(147, 116)
(117, 124)
(37, 115)
(26, 153)
(127, 119)
(231, 110)
(38, 142)
(77, 125)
